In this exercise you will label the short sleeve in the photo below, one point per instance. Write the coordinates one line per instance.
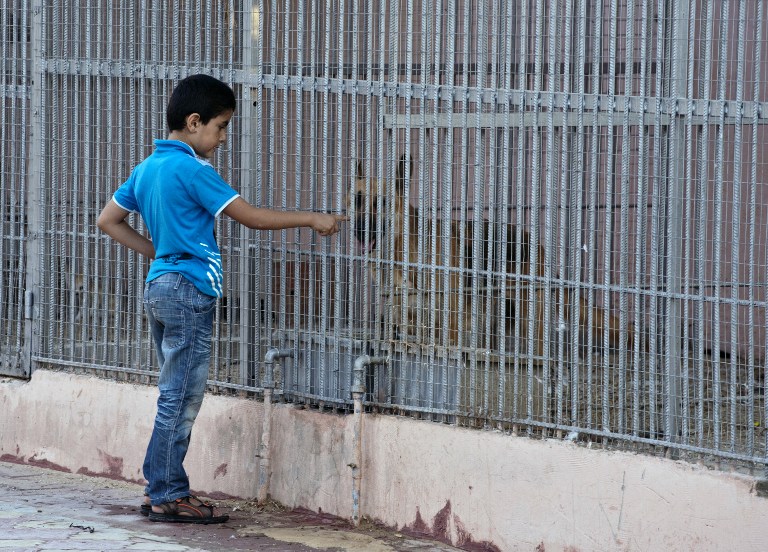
(125, 196)
(211, 191)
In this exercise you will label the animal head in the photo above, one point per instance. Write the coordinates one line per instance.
(378, 205)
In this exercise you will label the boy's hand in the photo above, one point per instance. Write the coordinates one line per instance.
(327, 225)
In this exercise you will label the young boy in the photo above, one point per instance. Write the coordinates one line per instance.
(179, 195)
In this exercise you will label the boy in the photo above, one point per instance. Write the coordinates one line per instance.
(179, 195)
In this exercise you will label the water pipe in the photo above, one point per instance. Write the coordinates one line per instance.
(358, 390)
(268, 383)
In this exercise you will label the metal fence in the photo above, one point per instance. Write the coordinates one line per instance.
(558, 209)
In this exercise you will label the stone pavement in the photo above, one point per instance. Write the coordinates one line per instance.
(43, 509)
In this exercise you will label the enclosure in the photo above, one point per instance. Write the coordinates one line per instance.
(581, 246)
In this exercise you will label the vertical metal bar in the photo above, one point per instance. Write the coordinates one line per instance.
(356, 47)
(578, 179)
(283, 66)
(330, 33)
(736, 224)
(341, 126)
(592, 202)
(297, 177)
(386, 171)
(20, 304)
(268, 191)
(641, 246)
(610, 186)
(246, 163)
(7, 119)
(207, 55)
(487, 287)
(736, 227)
(536, 284)
(656, 215)
(424, 242)
(407, 184)
(466, 25)
(20, 300)
(492, 246)
(384, 278)
(265, 277)
(431, 242)
(718, 222)
(367, 155)
(689, 237)
(678, 71)
(35, 246)
(520, 179)
(702, 222)
(564, 236)
(753, 237)
(57, 39)
(6, 66)
(447, 182)
(504, 235)
(549, 216)
(626, 199)
(478, 197)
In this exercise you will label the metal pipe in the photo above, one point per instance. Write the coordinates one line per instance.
(358, 390)
(268, 383)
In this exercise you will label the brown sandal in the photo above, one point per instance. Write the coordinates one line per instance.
(183, 510)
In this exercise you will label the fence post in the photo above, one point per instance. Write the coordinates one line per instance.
(33, 203)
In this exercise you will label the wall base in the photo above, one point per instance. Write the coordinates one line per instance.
(475, 489)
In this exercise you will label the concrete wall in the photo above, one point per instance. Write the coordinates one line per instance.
(476, 489)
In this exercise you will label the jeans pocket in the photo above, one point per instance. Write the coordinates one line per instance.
(174, 327)
(204, 303)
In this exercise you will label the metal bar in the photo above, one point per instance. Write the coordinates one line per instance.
(505, 170)
(678, 64)
(752, 418)
(592, 222)
(565, 239)
(34, 247)
(736, 227)
(549, 223)
(719, 223)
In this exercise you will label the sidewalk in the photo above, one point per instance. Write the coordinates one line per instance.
(42, 509)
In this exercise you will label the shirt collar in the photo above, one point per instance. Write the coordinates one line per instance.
(175, 144)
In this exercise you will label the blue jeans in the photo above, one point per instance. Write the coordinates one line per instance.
(181, 321)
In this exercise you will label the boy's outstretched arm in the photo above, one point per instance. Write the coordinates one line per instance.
(270, 219)
(112, 222)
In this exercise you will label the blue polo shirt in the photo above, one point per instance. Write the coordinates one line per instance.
(179, 197)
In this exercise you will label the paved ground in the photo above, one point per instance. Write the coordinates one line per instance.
(42, 509)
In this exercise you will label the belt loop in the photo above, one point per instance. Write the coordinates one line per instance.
(178, 280)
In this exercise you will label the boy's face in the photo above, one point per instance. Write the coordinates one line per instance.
(205, 138)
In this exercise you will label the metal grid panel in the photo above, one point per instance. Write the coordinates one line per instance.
(581, 241)
(15, 67)
(107, 74)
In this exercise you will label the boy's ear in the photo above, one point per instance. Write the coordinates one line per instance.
(192, 121)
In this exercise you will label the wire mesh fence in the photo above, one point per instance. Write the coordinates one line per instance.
(557, 209)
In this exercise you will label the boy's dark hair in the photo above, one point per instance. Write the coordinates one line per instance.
(202, 94)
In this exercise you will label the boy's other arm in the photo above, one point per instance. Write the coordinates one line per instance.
(112, 222)
(259, 218)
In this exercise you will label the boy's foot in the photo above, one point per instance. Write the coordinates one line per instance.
(146, 506)
(186, 510)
